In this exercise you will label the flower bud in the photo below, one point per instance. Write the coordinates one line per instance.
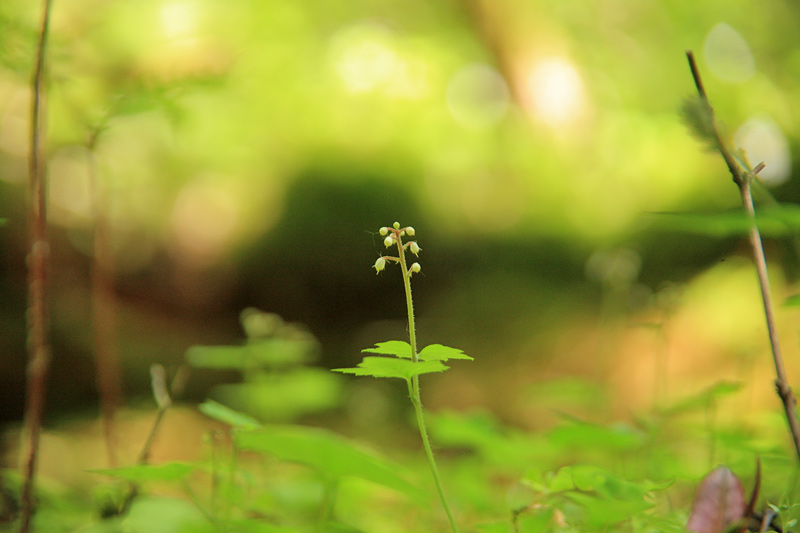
(396, 225)
(414, 247)
(388, 241)
(379, 265)
(410, 231)
(384, 230)
(415, 268)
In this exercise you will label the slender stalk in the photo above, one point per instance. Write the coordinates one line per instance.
(413, 384)
(38, 261)
(742, 180)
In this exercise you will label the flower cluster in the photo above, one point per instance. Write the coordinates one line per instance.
(394, 236)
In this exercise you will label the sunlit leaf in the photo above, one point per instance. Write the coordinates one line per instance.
(386, 367)
(229, 416)
(437, 352)
(174, 471)
(397, 348)
(330, 454)
(718, 503)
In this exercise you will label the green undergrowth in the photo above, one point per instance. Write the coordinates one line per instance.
(636, 476)
(265, 471)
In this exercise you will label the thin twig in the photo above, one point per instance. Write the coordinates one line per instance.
(38, 261)
(742, 180)
(164, 399)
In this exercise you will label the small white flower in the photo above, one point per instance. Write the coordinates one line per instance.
(384, 231)
(414, 247)
(388, 241)
(416, 268)
(410, 231)
(379, 265)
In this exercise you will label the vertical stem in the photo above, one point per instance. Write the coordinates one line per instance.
(413, 386)
(742, 180)
(38, 261)
(781, 382)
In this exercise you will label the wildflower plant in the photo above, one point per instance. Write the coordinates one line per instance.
(405, 362)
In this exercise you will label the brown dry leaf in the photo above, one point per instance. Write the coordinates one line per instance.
(718, 503)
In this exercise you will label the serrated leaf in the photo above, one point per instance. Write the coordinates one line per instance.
(719, 502)
(173, 471)
(437, 352)
(397, 348)
(229, 416)
(387, 367)
(330, 454)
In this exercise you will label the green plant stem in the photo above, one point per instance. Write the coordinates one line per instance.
(413, 387)
(742, 180)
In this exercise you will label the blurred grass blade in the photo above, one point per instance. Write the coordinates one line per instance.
(775, 221)
(229, 416)
(174, 471)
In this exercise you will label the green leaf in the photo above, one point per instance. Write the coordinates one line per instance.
(437, 352)
(386, 367)
(283, 396)
(330, 454)
(229, 416)
(174, 471)
(792, 301)
(262, 353)
(399, 349)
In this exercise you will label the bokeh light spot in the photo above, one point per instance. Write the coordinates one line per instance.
(367, 58)
(728, 55)
(762, 140)
(556, 91)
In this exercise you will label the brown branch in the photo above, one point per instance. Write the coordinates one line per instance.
(38, 261)
(742, 180)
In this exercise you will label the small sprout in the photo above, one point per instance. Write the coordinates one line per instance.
(388, 241)
(396, 225)
(416, 268)
(384, 231)
(410, 231)
(379, 265)
(414, 247)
